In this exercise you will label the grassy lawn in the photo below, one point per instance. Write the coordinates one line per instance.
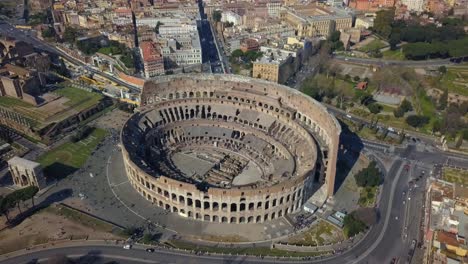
(12, 102)
(387, 108)
(320, 234)
(367, 196)
(80, 99)
(373, 45)
(427, 108)
(80, 218)
(456, 80)
(68, 157)
(455, 176)
(255, 251)
(393, 55)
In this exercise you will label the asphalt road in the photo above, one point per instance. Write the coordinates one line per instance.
(101, 254)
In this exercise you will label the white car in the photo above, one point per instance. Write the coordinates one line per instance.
(127, 246)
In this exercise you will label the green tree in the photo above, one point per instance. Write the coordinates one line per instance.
(352, 225)
(383, 22)
(335, 36)
(417, 120)
(151, 238)
(443, 69)
(465, 134)
(374, 108)
(237, 53)
(394, 41)
(369, 177)
(70, 34)
(356, 78)
(48, 32)
(406, 106)
(398, 112)
(217, 15)
(29, 193)
(436, 126)
(6, 203)
(459, 141)
(130, 231)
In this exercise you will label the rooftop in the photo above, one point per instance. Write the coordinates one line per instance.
(17, 161)
(150, 51)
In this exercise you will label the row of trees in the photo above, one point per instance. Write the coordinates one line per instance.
(248, 57)
(424, 41)
(424, 50)
(15, 199)
(244, 59)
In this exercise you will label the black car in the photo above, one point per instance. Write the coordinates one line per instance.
(150, 250)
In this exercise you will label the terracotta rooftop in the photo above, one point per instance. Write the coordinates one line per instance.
(447, 238)
(150, 51)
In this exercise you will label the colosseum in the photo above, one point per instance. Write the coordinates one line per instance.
(229, 149)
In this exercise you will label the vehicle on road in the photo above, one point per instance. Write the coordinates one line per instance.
(127, 246)
(151, 250)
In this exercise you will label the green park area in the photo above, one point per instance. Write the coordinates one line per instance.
(320, 234)
(373, 46)
(393, 55)
(455, 176)
(78, 98)
(253, 251)
(13, 102)
(456, 80)
(70, 156)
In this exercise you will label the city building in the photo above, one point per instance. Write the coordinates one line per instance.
(371, 5)
(153, 60)
(274, 8)
(182, 51)
(364, 22)
(446, 221)
(281, 59)
(20, 83)
(249, 44)
(316, 21)
(414, 5)
(231, 17)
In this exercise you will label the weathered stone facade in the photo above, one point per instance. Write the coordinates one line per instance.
(26, 173)
(289, 136)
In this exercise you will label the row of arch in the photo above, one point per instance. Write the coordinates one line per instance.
(207, 217)
(205, 94)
